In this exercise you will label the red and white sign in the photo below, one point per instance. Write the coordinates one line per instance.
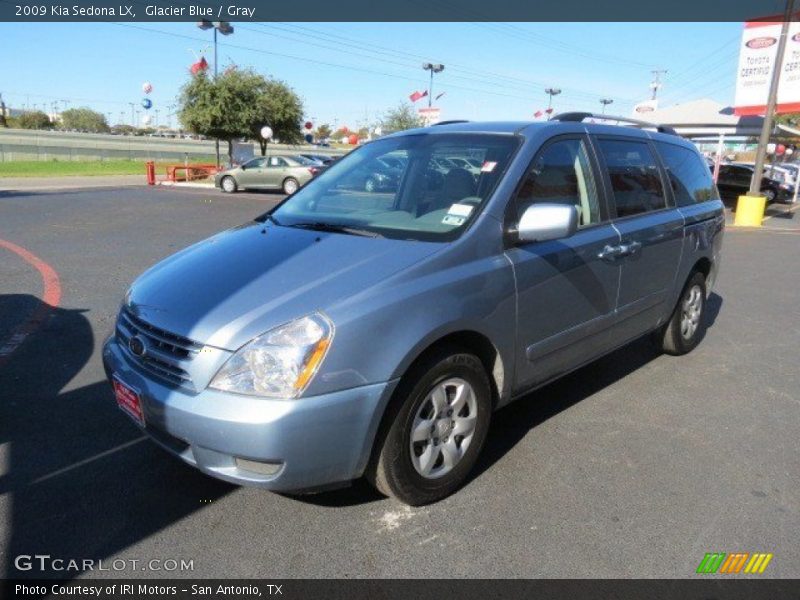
(645, 107)
(128, 400)
(757, 57)
(430, 114)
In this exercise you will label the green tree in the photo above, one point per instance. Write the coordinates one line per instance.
(363, 133)
(323, 132)
(280, 108)
(84, 119)
(34, 119)
(400, 118)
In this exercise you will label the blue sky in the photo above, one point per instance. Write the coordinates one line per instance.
(350, 73)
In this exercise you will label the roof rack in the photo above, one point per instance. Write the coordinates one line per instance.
(579, 117)
(450, 122)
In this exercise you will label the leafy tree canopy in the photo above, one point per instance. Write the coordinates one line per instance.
(84, 119)
(400, 118)
(34, 119)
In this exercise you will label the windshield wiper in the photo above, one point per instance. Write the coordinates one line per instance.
(320, 226)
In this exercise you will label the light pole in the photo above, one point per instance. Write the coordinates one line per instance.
(551, 92)
(224, 28)
(133, 118)
(433, 68)
(605, 102)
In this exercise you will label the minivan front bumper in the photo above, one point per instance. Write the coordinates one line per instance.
(281, 445)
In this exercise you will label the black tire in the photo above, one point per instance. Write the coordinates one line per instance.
(290, 185)
(231, 184)
(672, 338)
(391, 469)
(770, 195)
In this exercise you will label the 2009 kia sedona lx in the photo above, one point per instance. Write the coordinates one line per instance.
(352, 332)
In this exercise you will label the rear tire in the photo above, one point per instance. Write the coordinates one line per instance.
(434, 428)
(228, 185)
(686, 326)
(290, 186)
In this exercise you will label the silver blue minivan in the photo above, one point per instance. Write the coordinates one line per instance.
(353, 332)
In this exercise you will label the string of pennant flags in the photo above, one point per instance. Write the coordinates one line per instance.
(417, 95)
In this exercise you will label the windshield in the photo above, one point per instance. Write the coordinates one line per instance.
(403, 187)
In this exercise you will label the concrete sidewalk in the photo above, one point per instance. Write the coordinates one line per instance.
(25, 184)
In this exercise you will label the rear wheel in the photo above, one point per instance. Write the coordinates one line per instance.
(290, 186)
(770, 195)
(434, 429)
(228, 184)
(686, 327)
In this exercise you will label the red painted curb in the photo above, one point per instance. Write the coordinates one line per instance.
(51, 296)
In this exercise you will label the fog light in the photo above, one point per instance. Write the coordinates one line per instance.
(262, 468)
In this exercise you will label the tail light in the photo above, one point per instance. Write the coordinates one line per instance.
(313, 170)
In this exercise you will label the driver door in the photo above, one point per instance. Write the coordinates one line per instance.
(566, 288)
(252, 173)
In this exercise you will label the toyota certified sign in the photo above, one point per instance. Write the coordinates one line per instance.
(757, 57)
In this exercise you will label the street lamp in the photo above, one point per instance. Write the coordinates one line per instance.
(605, 102)
(224, 28)
(551, 92)
(433, 68)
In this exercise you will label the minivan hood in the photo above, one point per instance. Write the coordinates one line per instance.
(234, 286)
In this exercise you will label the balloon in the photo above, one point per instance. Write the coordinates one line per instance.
(353, 139)
(266, 132)
(147, 103)
(309, 125)
(309, 138)
(147, 87)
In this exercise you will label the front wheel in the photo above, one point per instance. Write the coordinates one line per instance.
(434, 429)
(228, 184)
(290, 186)
(686, 327)
(770, 195)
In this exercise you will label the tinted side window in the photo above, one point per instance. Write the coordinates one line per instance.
(562, 174)
(688, 176)
(635, 179)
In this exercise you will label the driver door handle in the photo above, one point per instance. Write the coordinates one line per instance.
(630, 248)
(610, 253)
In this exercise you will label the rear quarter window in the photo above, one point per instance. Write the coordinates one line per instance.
(689, 177)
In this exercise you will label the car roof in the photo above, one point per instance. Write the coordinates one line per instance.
(530, 128)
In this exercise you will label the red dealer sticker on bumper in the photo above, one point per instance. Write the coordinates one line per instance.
(128, 400)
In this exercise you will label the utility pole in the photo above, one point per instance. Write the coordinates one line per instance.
(133, 118)
(655, 85)
(772, 101)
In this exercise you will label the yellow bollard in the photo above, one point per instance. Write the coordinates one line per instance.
(750, 211)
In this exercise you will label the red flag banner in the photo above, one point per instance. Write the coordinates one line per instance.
(440, 95)
(537, 114)
(549, 110)
(417, 95)
(200, 65)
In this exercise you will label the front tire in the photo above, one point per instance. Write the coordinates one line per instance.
(434, 428)
(770, 195)
(228, 185)
(687, 326)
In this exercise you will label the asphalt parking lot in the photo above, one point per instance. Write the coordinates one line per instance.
(634, 466)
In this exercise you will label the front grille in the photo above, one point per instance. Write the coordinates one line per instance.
(167, 354)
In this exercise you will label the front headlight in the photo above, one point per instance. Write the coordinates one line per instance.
(279, 363)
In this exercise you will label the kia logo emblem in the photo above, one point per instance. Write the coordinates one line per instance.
(136, 346)
(796, 37)
(761, 42)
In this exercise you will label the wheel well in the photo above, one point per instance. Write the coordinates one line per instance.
(702, 266)
(479, 345)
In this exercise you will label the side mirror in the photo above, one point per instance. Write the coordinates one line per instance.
(542, 222)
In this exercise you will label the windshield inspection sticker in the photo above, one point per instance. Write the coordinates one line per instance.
(457, 214)
(488, 166)
(460, 210)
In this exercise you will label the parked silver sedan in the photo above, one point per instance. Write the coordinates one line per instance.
(279, 172)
